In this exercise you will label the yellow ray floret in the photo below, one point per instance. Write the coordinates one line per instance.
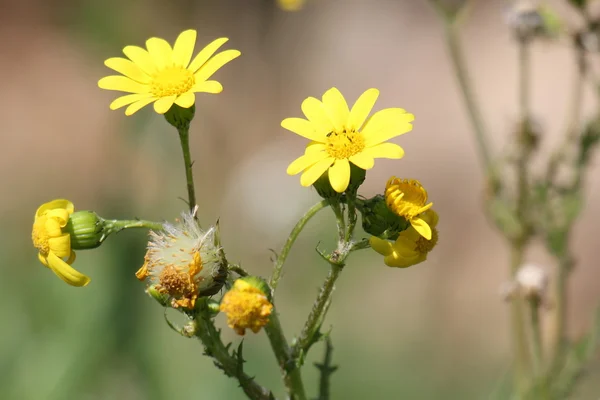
(340, 136)
(410, 248)
(165, 75)
(407, 198)
(53, 244)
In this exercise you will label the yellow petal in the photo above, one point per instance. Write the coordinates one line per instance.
(421, 227)
(122, 84)
(386, 124)
(58, 214)
(395, 260)
(128, 99)
(65, 272)
(160, 51)
(362, 108)
(60, 246)
(362, 160)
(314, 110)
(430, 216)
(385, 150)
(315, 171)
(52, 227)
(339, 175)
(314, 147)
(141, 58)
(208, 87)
(163, 104)
(135, 107)
(206, 53)
(184, 48)
(43, 260)
(383, 247)
(336, 108)
(58, 203)
(127, 68)
(305, 161)
(186, 100)
(303, 128)
(212, 65)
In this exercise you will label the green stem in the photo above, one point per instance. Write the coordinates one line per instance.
(518, 333)
(536, 337)
(292, 377)
(352, 217)
(316, 315)
(458, 62)
(205, 331)
(184, 138)
(116, 225)
(238, 270)
(339, 217)
(559, 329)
(290, 242)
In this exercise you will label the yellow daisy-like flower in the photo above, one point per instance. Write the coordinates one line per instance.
(407, 198)
(410, 248)
(164, 75)
(291, 5)
(247, 307)
(341, 136)
(53, 244)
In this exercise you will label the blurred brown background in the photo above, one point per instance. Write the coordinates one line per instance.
(435, 331)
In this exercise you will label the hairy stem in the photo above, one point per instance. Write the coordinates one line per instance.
(290, 370)
(536, 337)
(518, 333)
(558, 331)
(290, 242)
(205, 331)
(316, 314)
(116, 225)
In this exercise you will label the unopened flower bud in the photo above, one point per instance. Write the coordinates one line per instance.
(86, 229)
(378, 219)
(532, 280)
(156, 294)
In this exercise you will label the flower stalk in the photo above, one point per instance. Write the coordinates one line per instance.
(184, 138)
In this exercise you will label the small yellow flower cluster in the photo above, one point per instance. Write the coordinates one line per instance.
(247, 307)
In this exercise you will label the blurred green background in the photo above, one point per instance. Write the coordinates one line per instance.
(435, 331)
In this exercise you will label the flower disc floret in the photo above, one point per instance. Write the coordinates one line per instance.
(53, 243)
(247, 307)
(340, 136)
(165, 75)
(407, 198)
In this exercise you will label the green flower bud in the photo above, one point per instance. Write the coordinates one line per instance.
(86, 229)
(161, 298)
(378, 219)
(180, 117)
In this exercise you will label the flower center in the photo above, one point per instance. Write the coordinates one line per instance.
(176, 282)
(406, 197)
(344, 144)
(423, 245)
(172, 80)
(40, 237)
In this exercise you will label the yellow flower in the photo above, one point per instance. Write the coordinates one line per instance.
(183, 262)
(247, 307)
(407, 198)
(341, 136)
(410, 248)
(291, 5)
(53, 244)
(165, 75)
